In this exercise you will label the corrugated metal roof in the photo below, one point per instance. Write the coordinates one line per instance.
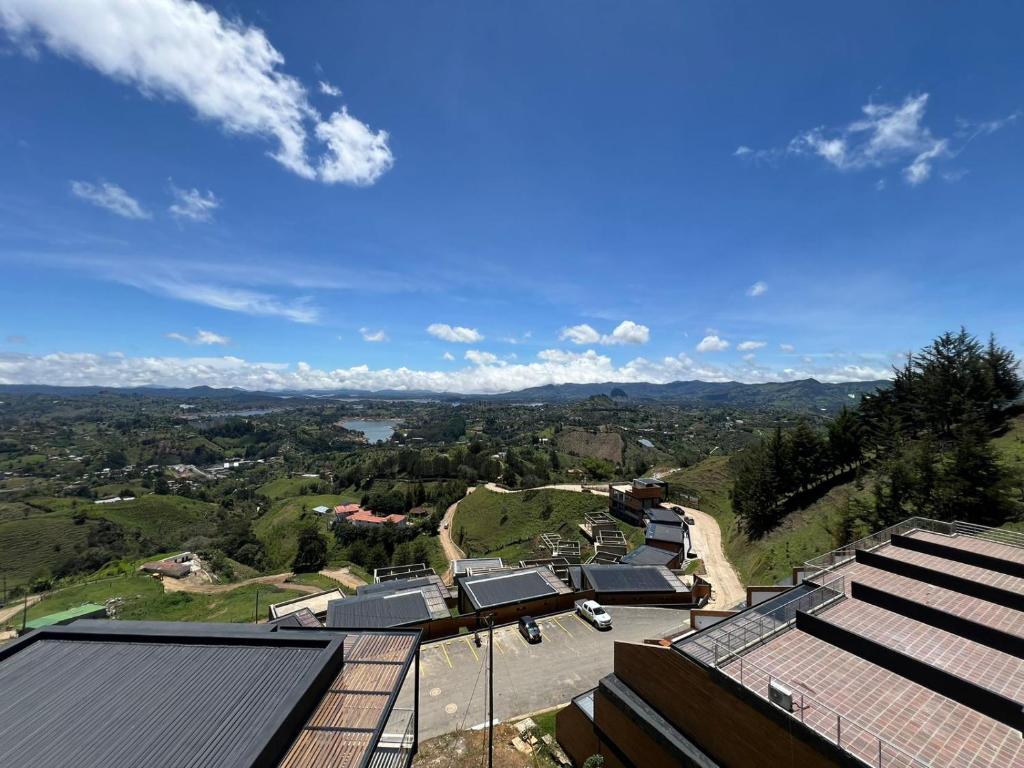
(632, 578)
(95, 702)
(300, 618)
(506, 588)
(663, 516)
(646, 555)
(661, 532)
(395, 610)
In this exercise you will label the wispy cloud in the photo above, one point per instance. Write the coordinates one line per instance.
(456, 334)
(328, 89)
(192, 204)
(747, 346)
(226, 70)
(373, 336)
(757, 289)
(787, 348)
(885, 135)
(201, 337)
(110, 196)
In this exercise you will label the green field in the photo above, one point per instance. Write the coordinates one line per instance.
(509, 525)
(30, 547)
(144, 599)
(167, 520)
(279, 528)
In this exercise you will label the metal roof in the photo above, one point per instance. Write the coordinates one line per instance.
(300, 618)
(102, 695)
(663, 516)
(632, 578)
(662, 532)
(646, 555)
(490, 591)
(392, 610)
(317, 603)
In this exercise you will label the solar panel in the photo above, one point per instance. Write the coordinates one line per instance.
(489, 591)
(628, 578)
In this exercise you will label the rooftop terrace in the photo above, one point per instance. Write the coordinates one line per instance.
(904, 649)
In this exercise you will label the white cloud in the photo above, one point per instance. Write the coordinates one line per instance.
(110, 196)
(518, 340)
(201, 338)
(626, 332)
(481, 358)
(456, 334)
(580, 334)
(746, 346)
(757, 289)
(192, 204)
(885, 135)
(226, 70)
(550, 367)
(787, 348)
(712, 343)
(750, 358)
(232, 299)
(742, 150)
(355, 154)
(448, 356)
(329, 90)
(373, 336)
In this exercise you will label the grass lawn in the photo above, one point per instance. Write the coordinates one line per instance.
(509, 525)
(317, 580)
(144, 599)
(279, 528)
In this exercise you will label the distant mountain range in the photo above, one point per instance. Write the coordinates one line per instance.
(805, 394)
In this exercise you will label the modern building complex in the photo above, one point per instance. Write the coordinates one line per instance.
(123, 693)
(903, 649)
(629, 502)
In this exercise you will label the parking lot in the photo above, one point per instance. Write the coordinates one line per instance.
(570, 659)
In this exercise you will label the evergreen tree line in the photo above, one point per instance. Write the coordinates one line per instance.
(926, 438)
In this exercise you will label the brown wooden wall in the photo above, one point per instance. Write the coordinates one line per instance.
(576, 734)
(728, 728)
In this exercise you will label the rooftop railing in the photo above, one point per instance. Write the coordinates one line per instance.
(860, 742)
(997, 535)
(847, 552)
(398, 739)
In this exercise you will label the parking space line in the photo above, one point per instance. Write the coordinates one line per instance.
(560, 625)
(470, 644)
(446, 656)
(498, 646)
(521, 640)
(585, 624)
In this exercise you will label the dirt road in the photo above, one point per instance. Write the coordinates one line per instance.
(451, 551)
(575, 487)
(726, 588)
(189, 584)
(13, 609)
(345, 576)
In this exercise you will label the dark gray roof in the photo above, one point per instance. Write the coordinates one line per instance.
(370, 611)
(645, 555)
(490, 590)
(396, 585)
(662, 532)
(630, 578)
(101, 695)
(300, 618)
(663, 515)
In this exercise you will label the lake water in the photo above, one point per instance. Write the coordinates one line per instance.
(376, 430)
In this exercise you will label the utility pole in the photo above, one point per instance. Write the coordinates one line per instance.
(256, 617)
(490, 691)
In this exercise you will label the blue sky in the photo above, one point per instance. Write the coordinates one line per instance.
(487, 196)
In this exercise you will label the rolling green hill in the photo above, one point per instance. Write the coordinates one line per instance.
(32, 542)
(509, 525)
(279, 528)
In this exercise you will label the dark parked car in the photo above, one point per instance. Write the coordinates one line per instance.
(528, 629)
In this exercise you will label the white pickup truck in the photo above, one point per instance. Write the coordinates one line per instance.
(592, 611)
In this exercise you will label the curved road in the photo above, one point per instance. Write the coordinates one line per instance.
(726, 588)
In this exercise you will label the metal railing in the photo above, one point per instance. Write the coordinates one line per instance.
(860, 742)
(398, 739)
(997, 535)
(846, 553)
(736, 637)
